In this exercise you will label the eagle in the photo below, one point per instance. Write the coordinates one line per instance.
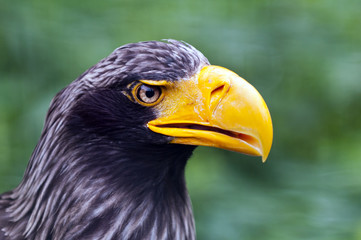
(111, 158)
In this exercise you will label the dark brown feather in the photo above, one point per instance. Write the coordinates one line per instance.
(98, 172)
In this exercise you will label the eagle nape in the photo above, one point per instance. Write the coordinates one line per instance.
(110, 161)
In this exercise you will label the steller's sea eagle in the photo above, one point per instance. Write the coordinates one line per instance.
(110, 161)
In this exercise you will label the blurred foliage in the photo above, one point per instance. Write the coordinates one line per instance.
(303, 56)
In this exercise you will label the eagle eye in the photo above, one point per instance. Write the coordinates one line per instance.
(147, 95)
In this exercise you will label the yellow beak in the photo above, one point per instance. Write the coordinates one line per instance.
(216, 108)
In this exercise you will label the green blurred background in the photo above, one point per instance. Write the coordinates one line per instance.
(303, 56)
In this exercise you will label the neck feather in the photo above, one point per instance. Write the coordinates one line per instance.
(110, 192)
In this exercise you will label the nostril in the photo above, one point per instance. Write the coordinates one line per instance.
(216, 96)
(217, 93)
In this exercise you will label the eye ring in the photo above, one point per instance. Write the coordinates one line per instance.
(147, 95)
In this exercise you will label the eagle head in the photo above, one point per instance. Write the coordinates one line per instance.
(110, 161)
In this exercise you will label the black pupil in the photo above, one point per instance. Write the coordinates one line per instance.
(149, 92)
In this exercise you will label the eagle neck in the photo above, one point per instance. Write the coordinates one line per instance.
(109, 192)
